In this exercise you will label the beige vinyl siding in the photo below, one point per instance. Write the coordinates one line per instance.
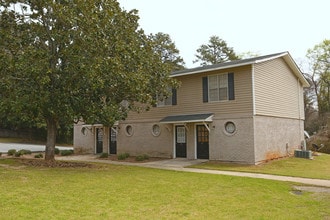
(190, 98)
(277, 90)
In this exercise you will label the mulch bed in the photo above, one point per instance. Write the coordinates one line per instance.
(132, 159)
(29, 160)
(44, 163)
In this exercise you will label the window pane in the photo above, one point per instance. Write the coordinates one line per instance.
(155, 130)
(168, 101)
(223, 80)
(218, 87)
(213, 82)
(213, 88)
(214, 94)
(223, 91)
(180, 135)
(161, 101)
(223, 94)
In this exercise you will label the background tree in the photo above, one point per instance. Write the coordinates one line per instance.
(247, 55)
(319, 76)
(63, 61)
(166, 49)
(216, 51)
(310, 108)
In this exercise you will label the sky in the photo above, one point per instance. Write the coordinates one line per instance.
(258, 26)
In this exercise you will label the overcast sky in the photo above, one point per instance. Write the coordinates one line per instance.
(259, 26)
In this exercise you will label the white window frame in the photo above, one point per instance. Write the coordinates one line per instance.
(181, 134)
(156, 130)
(129, 131)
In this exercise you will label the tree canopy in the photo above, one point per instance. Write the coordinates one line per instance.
(319, 58)
(63, 61)
(216, 51)
(166, 49)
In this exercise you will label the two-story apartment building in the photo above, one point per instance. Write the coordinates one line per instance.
(244, 111)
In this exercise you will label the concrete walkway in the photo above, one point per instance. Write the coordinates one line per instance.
(180, 164)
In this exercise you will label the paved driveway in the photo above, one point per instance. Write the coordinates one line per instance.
(4, 147)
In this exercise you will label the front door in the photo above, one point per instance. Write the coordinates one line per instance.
(99, 140)
(180, 141)
(202, 142)
(113, 141)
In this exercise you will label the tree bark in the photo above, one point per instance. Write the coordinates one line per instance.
(51, 139)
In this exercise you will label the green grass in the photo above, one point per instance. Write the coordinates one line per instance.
(125, 192)
(318, 168)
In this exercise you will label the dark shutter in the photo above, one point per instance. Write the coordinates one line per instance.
(231, 90)
(174, 101)
(205, 89)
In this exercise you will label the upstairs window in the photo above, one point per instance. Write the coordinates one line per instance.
(171, 100)
(218, 87)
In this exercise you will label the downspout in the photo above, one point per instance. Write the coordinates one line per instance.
(174, 133)
(253, 93)
(253, 112)
(299, 106)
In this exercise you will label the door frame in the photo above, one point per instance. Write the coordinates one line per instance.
(195, 134)
(174, 139)
(113, 129)
(95, 138)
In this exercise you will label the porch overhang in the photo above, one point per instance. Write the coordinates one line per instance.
(98, 125)
(183, 119)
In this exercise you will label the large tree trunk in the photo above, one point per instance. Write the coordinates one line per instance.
(51, 139)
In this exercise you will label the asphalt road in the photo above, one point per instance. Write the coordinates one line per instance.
(4, 147)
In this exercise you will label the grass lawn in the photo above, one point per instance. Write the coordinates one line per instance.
(318, 168)
(106, 191)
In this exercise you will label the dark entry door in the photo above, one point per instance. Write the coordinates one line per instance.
(99, 140)
(180, 141)
(113, 141)
(202, 142)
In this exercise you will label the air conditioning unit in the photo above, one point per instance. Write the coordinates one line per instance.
(303, 154)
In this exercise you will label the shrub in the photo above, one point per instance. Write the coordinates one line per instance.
(104, 155)
(66, 152)
(17, 154)
(0, 154)
(318, 140)
(123, 156)
(39, 155)
(11, 152)
(57, 151)
(23, 152)
(142, 157)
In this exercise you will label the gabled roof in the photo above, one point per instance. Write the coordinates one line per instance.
(237, 63)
